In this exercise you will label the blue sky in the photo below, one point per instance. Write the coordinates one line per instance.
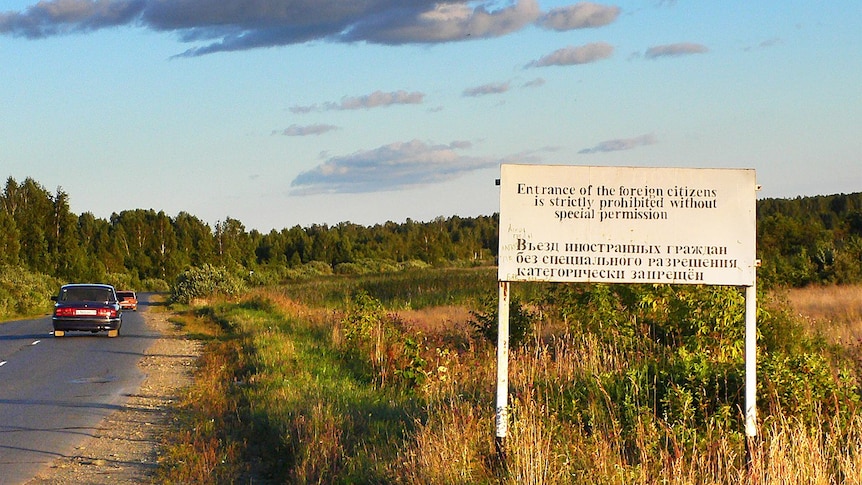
(297, 112)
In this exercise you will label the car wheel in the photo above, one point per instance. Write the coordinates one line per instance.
(114, 333)
(59, 333)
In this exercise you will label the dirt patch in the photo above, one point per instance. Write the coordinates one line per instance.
(125, 447)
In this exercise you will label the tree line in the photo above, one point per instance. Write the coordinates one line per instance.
(39, 232)
(800, 241)
(810, 240)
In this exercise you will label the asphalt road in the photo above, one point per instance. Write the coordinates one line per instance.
(54, 392)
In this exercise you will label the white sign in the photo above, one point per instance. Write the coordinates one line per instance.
(627, 225)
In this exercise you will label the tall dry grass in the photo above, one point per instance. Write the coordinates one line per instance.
(834, 311)
(546, 446)
(455, 445)
(559, 433)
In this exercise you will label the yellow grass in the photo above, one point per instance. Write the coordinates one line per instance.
(452, 440)
(435, 319)
(834, 311)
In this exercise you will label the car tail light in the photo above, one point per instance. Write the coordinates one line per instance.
(99, 312)
(64, 312)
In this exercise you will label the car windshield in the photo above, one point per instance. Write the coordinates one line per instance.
(86, 294)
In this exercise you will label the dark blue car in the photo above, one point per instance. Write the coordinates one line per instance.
(87, 308)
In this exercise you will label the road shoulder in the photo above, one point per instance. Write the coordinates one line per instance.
(125, 446)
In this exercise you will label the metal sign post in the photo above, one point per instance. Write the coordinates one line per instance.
(750, 372)
(502, 371)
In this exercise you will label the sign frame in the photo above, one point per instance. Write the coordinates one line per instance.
(627, 225)
(708, 234)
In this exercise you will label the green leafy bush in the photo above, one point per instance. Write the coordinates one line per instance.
(25, 293)
(157, 285)
(120, 281)
(376, 340)
(685, 344)
(366, 266)
(485, 320)
(204, 282)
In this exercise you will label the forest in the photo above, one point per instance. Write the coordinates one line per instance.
(801, 241)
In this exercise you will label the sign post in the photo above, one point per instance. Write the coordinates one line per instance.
(750, 371)
(502, 423)
(627, 225)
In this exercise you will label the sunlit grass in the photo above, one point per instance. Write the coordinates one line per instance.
(835, 311)
(285, 395)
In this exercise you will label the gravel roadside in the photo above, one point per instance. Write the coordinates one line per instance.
(124, 448)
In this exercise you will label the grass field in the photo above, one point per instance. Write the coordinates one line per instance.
(835, 311)
(385, 380)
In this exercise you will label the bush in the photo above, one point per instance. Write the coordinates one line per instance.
(24, 293)
(120, 281)
(686, 345)
(308, 270)
(378, 338)
(485, 321)
(157, 285)
(366, 266)
(204, 282)
(414, 264)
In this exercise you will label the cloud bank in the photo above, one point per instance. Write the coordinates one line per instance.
(674, 50)
(620, 144)
(232, 25)
(492, 88)
(569, 56)
(581, 16)
(390, 167)
(297, 130)
(377, 99)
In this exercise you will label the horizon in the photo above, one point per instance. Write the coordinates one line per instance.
(304, 226)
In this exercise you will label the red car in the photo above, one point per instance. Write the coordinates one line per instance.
(128, 300)
(87, 308)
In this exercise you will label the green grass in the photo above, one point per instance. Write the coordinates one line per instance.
(626, 385)
(405, 289)
(411, 289)
(300, 409)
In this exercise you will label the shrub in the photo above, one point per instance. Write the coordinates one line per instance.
(205, 282)
(485, 320)
(350, 269)
(308, 270)
(378, 338)
(120, 281)
(366, 266)
(155, 284)
(414, 264)
(23, 292)
(686, 344)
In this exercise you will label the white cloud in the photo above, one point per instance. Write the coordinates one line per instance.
(485, 89)
(771, 42)
(569, 56)
(297, 130)
(673, 50)
(48, 18)
(579, 16)
(377, 99)
(620, 144)
(445, 22)
(535, 83)
(233, 25)
(390, 167)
